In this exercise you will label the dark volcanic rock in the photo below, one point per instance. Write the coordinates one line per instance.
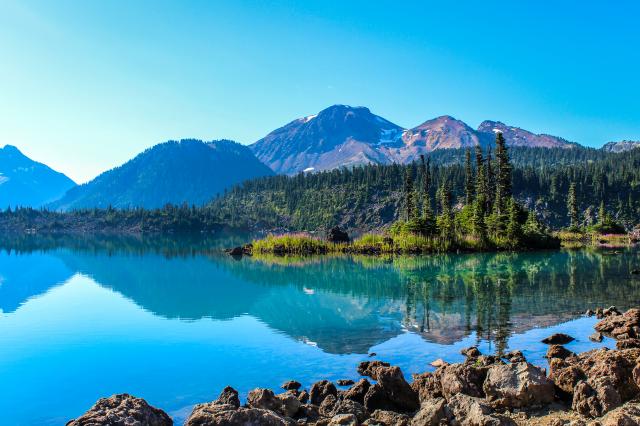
(558, 339)
(337, 235)
(345, 382)
(392, 392)
(262, 398)
(357, 391)
(559, 351)
(515, 356)
(291, 385)
(471, 352)
(236, 251)
(320, 390)
(122, 410)
(368, 368)
(229, 396)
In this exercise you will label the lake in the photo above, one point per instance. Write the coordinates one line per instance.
(175, 320)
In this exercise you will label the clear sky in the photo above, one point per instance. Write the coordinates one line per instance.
(86, 85)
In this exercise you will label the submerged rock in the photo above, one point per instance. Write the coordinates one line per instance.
(122, 410)
(558, 339)
(345, 382)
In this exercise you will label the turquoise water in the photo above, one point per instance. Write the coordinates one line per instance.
(175, 321)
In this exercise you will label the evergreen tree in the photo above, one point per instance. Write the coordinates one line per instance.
(468, 183)
(513, 231)
(602, 214)
(503, 175)
(445, 219)
(572, 205)
(490, 179)
(409, 194)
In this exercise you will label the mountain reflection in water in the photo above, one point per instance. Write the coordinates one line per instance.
(341, 304)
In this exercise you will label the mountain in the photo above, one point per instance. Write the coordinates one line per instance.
(176, 172)
(514, 136)
(621, 146)
(443, 132)
(346, 136)
(24, 182)
(337, 136)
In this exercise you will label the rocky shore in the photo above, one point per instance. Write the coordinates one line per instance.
(598, 387)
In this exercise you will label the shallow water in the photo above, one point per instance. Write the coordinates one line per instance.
(174, 321)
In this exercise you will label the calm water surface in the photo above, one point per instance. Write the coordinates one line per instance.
(175, 321)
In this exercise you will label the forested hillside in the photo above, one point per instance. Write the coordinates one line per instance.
(371, 197)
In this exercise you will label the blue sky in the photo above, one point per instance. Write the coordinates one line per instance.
(86, 85)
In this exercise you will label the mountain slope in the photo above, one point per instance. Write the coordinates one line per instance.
(337, 136)
(621, 146)
(188, 171)
(515, 136)
(341, 136)
(24, 182)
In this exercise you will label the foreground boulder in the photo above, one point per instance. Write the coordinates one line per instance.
(597, 381)
(320, 390)
(518, 385)
(470, 411)
(122, 410)
(219, 415)
(226, 410)
(431, 413)
(392, 392)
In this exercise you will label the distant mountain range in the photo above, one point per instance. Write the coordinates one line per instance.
(621, 146)
(187, 171)
(194, 171)
(345, 136)
(24, 182)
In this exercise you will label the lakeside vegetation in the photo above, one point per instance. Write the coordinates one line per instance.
(371, 197)
(489, 218)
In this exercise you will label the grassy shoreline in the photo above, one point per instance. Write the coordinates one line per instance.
(377, 244)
